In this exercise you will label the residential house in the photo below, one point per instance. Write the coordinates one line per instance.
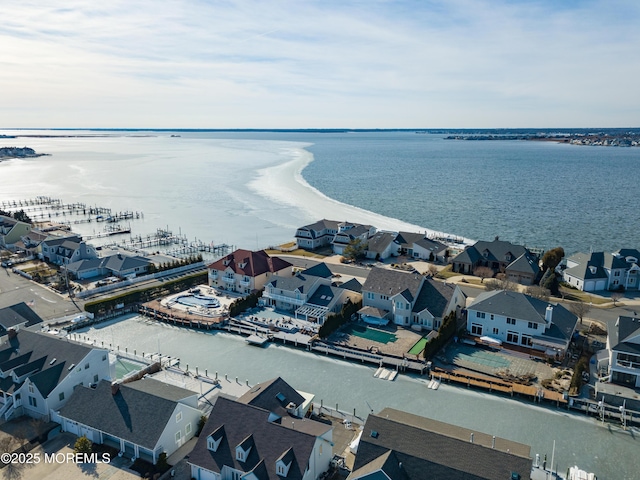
(518, 319)
(17, 316)
(118, 265)
(12, 231)
(349, 233)
(311, 294)
(623, 345)
(407, 299)
(330, 232)
(382, 245)
(599, 271)
(280, 398)
(316, 235)
(65, 250)
(244, 271)
(142, 419)
(499, 256)
(398, 445)
(418, 246)
(241, 440)
(39, 372)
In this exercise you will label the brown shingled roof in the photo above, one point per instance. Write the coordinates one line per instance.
(247, 262)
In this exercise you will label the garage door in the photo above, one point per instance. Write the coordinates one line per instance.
(87, 432)
(71, 427)
(600, 285)
(589, 286)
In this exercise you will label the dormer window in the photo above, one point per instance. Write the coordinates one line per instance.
(284, 463)
(214, 440)
(243, 450)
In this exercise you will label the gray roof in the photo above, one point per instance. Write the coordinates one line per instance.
(352, 285)
(496, 251)
(622, 335)
(17, 314)
(434, 296)
(431, 245)
(299, 281)
(158, 388)
(131, 414)
(407, 239)
(349, 235)
(320, 225)
(236, 421)
(526, 262)
(319, 270)
(594, 265)
(524, 307)
(52, 356)
(119, 262)
(379, 242)
(273, 395)
(388, 282)
(83, 265)
(323, 296)
(416, 445)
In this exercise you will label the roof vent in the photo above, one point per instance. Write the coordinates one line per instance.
(52, 361)
(374, 434)
(71, 367)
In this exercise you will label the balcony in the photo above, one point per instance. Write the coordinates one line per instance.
(245, 282)
(283, 298)
(628, 364)
(229, 279)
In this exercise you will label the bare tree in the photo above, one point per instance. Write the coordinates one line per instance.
(500, 284)
(615, 297)
(580, 309)
(483, 272)
(538, 292)
(432, 270)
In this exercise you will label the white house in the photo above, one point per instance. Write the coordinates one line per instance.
(598, 271)
(241, 440)
(142, 419)
(623, 345)
(16, 317)
(518, 319)
(330, 232)
(39, 372)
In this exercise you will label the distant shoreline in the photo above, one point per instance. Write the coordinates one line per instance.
(7, 153)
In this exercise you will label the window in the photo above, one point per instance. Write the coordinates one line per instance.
(31, 388)
(512, 337)
(281, 470)
(476, 329)
(240, 454)
(526, 340)
(492, 316)
(86, 366)
(95, 378)
(178, 417)
(104, 357)
(495, 331)
(480, 315)
(617, 274)
(33, 402)
(533, 325)
(178, 436)
(370, 295)
(61, 396)
(187, 429)
(511, 321)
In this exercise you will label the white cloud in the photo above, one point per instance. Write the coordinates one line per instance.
(320, 64)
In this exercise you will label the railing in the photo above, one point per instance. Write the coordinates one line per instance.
(628, 364)
(284, 298)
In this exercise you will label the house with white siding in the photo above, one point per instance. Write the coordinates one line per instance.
(600, 271)
(39, 372)
(12, 231)
(142, 419)
(518, 319)
(65, 250)
(623, 345)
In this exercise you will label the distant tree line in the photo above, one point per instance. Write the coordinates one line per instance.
(19, 215)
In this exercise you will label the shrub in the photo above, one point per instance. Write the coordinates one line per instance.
(82, 445)
(333, 322)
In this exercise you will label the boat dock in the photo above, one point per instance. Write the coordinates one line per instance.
(257, 340)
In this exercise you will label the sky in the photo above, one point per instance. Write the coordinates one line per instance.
(320, 64)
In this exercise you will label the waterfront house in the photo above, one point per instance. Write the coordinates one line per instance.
(141, 419)
(39, 372)
(330, 232)
(278, 397)
(623, 346)
(518, 319)
(17, 316)
(310, 294)
(407, 299)
(11, 231)
(65, 250)
(316, 235)
(599, 271)
(516, 261)
(349, 233)
(244, 271)
(241, 440)
(118, 265)
(418, 246)
(400, 445)
(382, 245)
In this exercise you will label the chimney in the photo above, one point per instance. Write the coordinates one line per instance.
(493, 442)
(548, 314)
(115, 388)
(471, 440)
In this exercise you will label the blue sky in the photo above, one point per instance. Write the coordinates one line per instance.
(320, 64)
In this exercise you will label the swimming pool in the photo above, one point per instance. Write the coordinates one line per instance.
(370, 333)
(197, 300)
